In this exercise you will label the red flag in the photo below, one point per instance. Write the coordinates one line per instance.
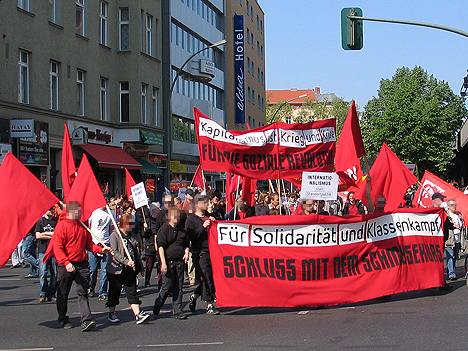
(389, 177)
(129, 182)
(68, 164)
(198, 178)
(433, 184)
(232, 182)
(249, 186)
(86, 190)
(348, 152)
(26, 199)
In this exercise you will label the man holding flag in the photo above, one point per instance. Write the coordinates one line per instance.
(70, 242)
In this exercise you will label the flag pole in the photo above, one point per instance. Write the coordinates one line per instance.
(237, 195)
(203, 178)
(117, 230)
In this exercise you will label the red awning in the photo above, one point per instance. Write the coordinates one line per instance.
(111, 156)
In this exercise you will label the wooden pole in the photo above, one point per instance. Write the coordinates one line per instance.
(117, 230)
(237, 195)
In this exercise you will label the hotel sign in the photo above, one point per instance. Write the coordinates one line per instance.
(239, 68)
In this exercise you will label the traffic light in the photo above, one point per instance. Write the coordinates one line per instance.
(351, 29)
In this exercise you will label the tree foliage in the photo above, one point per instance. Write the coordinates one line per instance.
(417, 116)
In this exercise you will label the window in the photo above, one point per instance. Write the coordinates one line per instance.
(103, 100)
(80, 17)
(54, 85)
(124, 27)
(80, 89)
(149, 35)
(54, 6)
(124, 102)
(24, 4)
(249, 10)
(144, 102)
(23, 77)
(155, 107)
(103, 23)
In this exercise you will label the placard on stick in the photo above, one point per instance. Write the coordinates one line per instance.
(319, 185)
(139, 195)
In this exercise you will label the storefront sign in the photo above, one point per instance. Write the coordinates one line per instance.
(158, 160)
(175, 166)
(96, 134)
(136, 150)
(35, 150)
(21, 128)
(152, 138)
(239, 68)
(207, 67)
(4, 149)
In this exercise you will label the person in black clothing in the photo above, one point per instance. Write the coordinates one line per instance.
(173, 248)
(150, 247)
(218, 211)
(48, 270)
(197, 225)
(241, 210)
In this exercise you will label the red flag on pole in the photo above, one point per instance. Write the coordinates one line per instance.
(86, 190)
(26, 200)
(349, 149)
(389, 177)
(198, 178)
(129, 182)
(68, 164)
(433, 184)
(249, 186)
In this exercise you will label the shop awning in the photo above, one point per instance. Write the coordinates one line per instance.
(111, 156)
(148, 167)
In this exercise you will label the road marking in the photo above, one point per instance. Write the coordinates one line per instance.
(5, 279)
(30, 349)
(185, 344)
(237, 310)
(303, 312)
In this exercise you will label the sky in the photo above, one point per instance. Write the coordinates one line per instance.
(303, 45)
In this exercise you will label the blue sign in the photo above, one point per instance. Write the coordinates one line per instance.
(239, 67)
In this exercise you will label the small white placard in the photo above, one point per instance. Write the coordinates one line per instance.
(139, 195)
(319, 185)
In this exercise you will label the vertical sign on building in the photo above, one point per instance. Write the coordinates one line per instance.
(239, 68)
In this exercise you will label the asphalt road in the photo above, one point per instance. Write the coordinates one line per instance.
(421, 320)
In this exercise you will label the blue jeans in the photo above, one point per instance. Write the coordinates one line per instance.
(48, 285)
(451, 254)
(29, 252)
(95, 261)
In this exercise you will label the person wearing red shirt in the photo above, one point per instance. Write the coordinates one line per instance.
(70, 242)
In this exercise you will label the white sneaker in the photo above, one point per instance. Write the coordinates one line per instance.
(141, 317)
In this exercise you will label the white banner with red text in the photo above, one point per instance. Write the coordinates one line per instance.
(315, 260)
(275, 151)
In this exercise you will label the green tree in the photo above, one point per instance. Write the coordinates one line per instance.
(417, 116)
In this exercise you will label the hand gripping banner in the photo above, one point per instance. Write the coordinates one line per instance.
(289, 261)
(275, 151)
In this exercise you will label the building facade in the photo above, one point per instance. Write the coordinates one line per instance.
(189, 29)
(245, 57)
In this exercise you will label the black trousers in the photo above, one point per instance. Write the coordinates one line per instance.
(65, 280)
(127, 279)
(172, 280)
(202, 262)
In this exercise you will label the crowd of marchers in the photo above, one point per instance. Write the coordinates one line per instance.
(164, 243)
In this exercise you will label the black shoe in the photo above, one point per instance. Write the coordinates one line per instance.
(90, 292)
(156, 309)
(88, 325)
(193, 303)
(65, 325)
(446, 287)
(141, 317)
(210, 309)
(453, 278)
(179, 315)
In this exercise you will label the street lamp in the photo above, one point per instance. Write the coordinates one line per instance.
(464, 87)
(169, 128)
(284, 103)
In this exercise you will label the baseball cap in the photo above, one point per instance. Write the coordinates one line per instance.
(438, 196)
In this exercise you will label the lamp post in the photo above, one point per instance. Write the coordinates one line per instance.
(284, 103)
(170, 124)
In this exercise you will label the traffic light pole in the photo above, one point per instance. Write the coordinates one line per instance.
(421, 24)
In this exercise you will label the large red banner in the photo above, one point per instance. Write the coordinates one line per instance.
(314, 260)
(275, 151)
